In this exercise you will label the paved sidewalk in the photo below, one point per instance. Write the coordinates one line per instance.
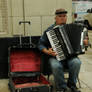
(85, 72)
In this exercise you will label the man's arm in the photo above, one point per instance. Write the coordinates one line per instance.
(42, 45)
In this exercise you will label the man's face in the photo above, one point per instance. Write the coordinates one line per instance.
(61, 19)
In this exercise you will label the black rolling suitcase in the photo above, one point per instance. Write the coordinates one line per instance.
(25, 70)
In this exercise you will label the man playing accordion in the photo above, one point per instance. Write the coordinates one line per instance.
(72, 63)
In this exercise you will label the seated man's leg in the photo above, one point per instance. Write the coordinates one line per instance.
(57, 69)
(74, 68)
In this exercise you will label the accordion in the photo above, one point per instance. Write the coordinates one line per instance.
(67, 40)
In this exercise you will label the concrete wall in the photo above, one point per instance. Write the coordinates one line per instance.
(39, 12)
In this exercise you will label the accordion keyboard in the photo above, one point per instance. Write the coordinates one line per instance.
(55, 45)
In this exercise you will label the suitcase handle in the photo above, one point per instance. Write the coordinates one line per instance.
(20, 22)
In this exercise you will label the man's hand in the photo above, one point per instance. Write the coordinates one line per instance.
(49, 52)
(85, 41)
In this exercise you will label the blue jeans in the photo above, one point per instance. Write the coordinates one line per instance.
(57, 70)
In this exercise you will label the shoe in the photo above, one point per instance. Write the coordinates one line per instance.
(74, 89)
(64, 90)
(60, 90)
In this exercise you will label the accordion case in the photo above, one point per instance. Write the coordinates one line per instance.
(24, 71)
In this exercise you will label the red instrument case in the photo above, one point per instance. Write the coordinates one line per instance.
(25, 71)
